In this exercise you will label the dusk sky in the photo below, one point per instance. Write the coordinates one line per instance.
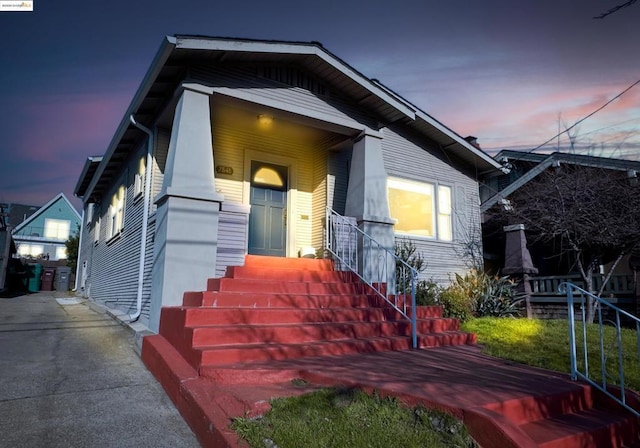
(501, 70)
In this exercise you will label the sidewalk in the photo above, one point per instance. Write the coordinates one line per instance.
(71, 378)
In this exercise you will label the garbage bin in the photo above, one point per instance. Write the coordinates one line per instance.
(34, 270)
(63, 274)
(47, 279)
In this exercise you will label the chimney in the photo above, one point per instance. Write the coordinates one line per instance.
(473, 141)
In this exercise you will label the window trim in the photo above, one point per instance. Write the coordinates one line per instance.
(139, 179)
(435, 190)
(115, 223)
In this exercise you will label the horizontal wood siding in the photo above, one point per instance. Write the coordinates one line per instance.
(247, 80)
(319, 203)
(114, 264)
(409, 159)
(232, 240)
(338, 163)
(161, 150)
(230, 145)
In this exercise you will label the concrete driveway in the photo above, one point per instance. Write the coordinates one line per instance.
(69, 377)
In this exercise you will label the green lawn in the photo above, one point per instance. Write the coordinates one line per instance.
(344, 418)
(545, 343)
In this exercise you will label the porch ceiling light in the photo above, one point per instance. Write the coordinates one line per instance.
(265, 120)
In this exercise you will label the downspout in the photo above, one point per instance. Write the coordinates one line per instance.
(80, 235)
(145, 216)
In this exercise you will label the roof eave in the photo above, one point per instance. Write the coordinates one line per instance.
(91, 161)
(297, 48)
(168, 44)
(481, 159)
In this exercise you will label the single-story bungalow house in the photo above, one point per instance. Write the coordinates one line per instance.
(233, 147)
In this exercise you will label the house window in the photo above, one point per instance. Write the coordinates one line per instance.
(420, 208)
(445, 226)
(116, 213)
(96, 231)
(30, 250)
(57, 229)
(89, 213)
(138, 184)
(61, 253)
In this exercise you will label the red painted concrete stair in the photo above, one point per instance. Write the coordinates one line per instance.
(229, 349)
(282, 308)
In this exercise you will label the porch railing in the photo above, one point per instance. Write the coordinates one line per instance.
(386, 275)
(604, 366)
(618, 285)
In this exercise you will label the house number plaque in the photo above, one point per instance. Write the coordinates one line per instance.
(221, 169)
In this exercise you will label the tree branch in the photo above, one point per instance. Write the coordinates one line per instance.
(615, 9)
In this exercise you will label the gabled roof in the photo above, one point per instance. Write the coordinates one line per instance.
(168, 69)
(44, 209)
(545, 161)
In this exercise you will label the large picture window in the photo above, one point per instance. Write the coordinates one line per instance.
(420, 208)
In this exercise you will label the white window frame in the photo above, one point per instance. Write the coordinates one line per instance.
(57, 229)
(116, 213)
(96, 230)
(441, 209)
(89, 213)
(28, 249)
(139, 179)
(61, 253)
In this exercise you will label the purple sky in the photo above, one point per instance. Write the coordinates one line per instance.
(501, 70)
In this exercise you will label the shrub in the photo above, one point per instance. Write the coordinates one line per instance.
(480, 294)
(456, 303)
(427, 292)
(498, 298)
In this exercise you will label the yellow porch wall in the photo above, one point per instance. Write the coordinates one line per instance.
(229, 149)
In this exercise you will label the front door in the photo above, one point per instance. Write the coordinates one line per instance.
(268, 216)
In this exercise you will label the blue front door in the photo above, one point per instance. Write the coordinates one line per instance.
(268, 216)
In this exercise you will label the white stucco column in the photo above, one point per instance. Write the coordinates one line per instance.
(188, 207)
(367, 199)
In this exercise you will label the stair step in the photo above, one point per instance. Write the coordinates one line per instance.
(311, 332)
(273, 300)
(311, 264)
(551, 404)
(286, 275)
(221, 355)
(586, 428)
(201, 316)
(270, 286)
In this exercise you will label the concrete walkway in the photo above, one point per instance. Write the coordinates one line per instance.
(70, 378)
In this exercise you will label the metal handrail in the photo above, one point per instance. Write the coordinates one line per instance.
(603, 384)
(355, 251)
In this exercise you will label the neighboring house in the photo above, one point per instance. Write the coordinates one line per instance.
(237, 146)
(44, 233)
(523, 168)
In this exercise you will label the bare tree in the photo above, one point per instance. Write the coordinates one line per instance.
(592, 212)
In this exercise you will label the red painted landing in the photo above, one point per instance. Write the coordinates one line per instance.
(504, 405)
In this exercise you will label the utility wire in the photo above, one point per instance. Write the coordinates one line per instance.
(584, 118)
(615, 8)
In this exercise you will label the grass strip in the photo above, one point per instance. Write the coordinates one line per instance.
(339, 417)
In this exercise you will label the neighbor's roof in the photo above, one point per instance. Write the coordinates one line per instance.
(167, 70)
(46, 207)
(545, 161)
